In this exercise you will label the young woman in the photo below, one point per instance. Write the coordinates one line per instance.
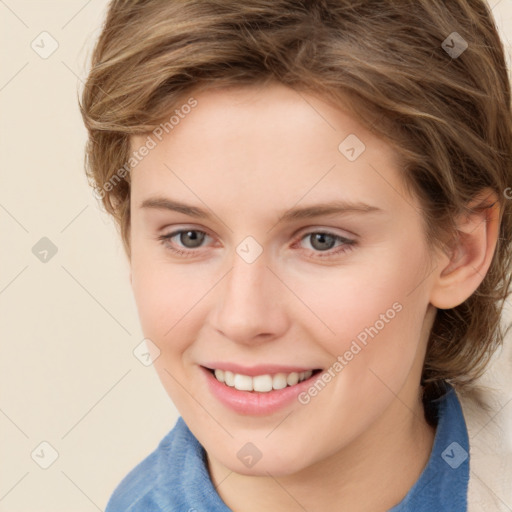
(313, 199)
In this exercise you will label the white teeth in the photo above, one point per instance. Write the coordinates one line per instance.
(243, 382)
(279, 381)
(292, 379)
(229, 378)
(261, 383)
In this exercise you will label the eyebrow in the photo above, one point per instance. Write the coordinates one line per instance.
(305, 212)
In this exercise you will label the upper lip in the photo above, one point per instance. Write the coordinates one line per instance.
(260, 369)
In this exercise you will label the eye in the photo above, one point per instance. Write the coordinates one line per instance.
(188, 238)
(191, 238)
(323, 242)
(183, 242)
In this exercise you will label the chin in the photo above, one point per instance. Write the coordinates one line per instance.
(251, 461)
(265, 468)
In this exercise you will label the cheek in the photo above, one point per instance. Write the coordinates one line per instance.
(163, 298)
(171, 301)
(167, 305)
(374, 314)
(355, 296)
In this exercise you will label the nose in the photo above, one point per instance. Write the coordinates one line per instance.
(250, 304)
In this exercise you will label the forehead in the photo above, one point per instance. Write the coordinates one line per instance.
(266, 144)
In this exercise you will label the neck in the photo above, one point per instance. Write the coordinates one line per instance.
(373, 473)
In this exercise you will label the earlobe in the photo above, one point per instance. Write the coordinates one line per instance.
(465, 261)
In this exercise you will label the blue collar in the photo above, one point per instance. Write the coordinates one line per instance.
(174, 478)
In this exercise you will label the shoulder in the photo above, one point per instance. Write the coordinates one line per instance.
(137, 491)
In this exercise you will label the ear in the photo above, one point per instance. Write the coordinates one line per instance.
(466, 259)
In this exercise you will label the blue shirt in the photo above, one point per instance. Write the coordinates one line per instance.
(174, 478)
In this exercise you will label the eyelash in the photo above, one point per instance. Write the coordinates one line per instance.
(347, 246)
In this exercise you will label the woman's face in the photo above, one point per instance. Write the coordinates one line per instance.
(293, 253)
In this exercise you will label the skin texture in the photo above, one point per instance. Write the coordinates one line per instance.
(246, 155)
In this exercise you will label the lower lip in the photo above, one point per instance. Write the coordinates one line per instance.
(253, 403)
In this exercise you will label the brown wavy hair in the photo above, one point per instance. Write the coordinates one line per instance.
(388, 62)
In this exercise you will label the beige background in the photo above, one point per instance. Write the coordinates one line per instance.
(68, 376)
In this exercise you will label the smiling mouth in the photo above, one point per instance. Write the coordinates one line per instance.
(261, 383)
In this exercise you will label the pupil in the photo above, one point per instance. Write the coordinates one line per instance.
(193, 236)
(322, 241)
